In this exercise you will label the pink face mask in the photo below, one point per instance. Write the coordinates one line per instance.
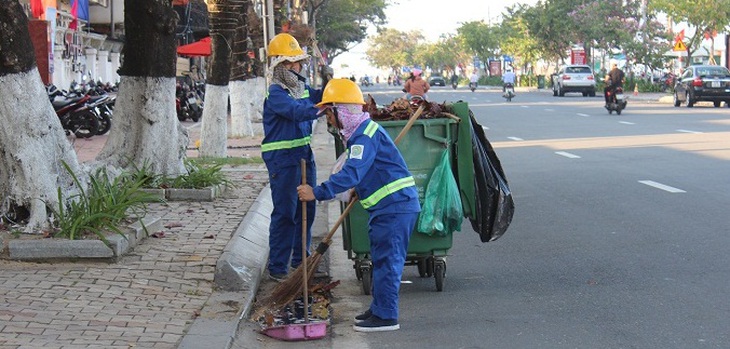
(351, 117)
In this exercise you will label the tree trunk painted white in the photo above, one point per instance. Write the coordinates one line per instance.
(33, 146)
(246, 104)
(240, 109)
(145, 130)
(214, 128)
(260, 88)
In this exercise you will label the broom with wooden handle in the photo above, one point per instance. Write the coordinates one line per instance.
(305, 278)
(288, 290)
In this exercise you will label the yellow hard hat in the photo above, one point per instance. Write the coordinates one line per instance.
(343, 91)
(284, 44)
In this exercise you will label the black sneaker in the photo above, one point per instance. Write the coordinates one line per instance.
(364, 316)
(376, 324)
(277, 277)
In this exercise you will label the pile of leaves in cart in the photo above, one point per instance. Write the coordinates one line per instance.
(494, 202)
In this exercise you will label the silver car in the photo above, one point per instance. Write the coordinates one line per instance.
(574, 78)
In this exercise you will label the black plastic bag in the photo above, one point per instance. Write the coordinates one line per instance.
(494, 204)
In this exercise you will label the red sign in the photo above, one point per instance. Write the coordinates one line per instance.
(577, 56)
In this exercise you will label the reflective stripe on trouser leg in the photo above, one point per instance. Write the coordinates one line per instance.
(389, 235)
(285, 227)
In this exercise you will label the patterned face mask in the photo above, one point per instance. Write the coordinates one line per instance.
(351, 117)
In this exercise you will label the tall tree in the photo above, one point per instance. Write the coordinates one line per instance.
(342, 24)
(516, 39)
(481, 39)
(214, 129)
(146, 130)
(704, 16)
(246, 82)
(393, 49)
(32, 142)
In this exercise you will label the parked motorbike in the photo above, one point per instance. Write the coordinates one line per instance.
(186, 103)
(74, 113)
(509, 92)
(100, 107)
(616, 100)
(472, 86)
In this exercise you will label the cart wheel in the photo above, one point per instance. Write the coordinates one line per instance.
(367, 279)
(421, 263)
(429, 266)
(440, 274)
(358, 272)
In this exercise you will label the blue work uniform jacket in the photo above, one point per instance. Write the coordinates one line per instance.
(377, 171)
(288, 126)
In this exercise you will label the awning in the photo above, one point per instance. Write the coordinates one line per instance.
(197, 49)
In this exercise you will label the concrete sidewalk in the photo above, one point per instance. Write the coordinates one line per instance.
(151, 297)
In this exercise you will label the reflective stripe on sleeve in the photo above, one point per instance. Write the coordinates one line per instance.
(386, 190)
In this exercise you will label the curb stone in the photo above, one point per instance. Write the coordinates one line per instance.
(62, 249)
(237, 277)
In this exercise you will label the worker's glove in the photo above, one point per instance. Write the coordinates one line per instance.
(326, 73)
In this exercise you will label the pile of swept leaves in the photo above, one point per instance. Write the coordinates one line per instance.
(293, 313)
(402, 109)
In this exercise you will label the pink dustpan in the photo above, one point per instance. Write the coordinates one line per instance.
(297, 332)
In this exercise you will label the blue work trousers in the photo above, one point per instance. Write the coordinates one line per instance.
(389, 234)
(285, 229)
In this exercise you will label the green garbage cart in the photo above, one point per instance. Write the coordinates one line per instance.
(422, 148)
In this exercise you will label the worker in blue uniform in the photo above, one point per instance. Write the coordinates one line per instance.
(288, 117)
(380, 178)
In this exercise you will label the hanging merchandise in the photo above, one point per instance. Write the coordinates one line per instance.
(442, 212)
(494, 205)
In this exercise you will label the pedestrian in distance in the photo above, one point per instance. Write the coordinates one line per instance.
(288, 117)
(416, 86)
(387, 191)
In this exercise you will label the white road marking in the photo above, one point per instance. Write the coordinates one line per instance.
(662, 186)
(626, 123)
(525, 106)
(581, 114)
(548, 109)
(515, 138)
(689, 131)
(567, 155)
(485, 127)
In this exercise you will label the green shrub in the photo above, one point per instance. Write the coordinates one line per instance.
(197, 177)
(101, 208)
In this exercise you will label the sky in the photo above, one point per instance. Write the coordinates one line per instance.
(431, 17)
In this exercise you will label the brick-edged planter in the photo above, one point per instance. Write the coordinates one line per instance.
(64, 249)
(178, 194)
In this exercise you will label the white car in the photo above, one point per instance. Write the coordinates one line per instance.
(574, 78)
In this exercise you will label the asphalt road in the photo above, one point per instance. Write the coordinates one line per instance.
(619, 240)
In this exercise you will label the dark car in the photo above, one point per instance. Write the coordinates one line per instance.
(436, 80)
(710, 83)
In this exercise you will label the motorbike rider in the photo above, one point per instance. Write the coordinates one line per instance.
(454, 79)
(508, 78)
(416, 86)
(473, 79)
(614, 79)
